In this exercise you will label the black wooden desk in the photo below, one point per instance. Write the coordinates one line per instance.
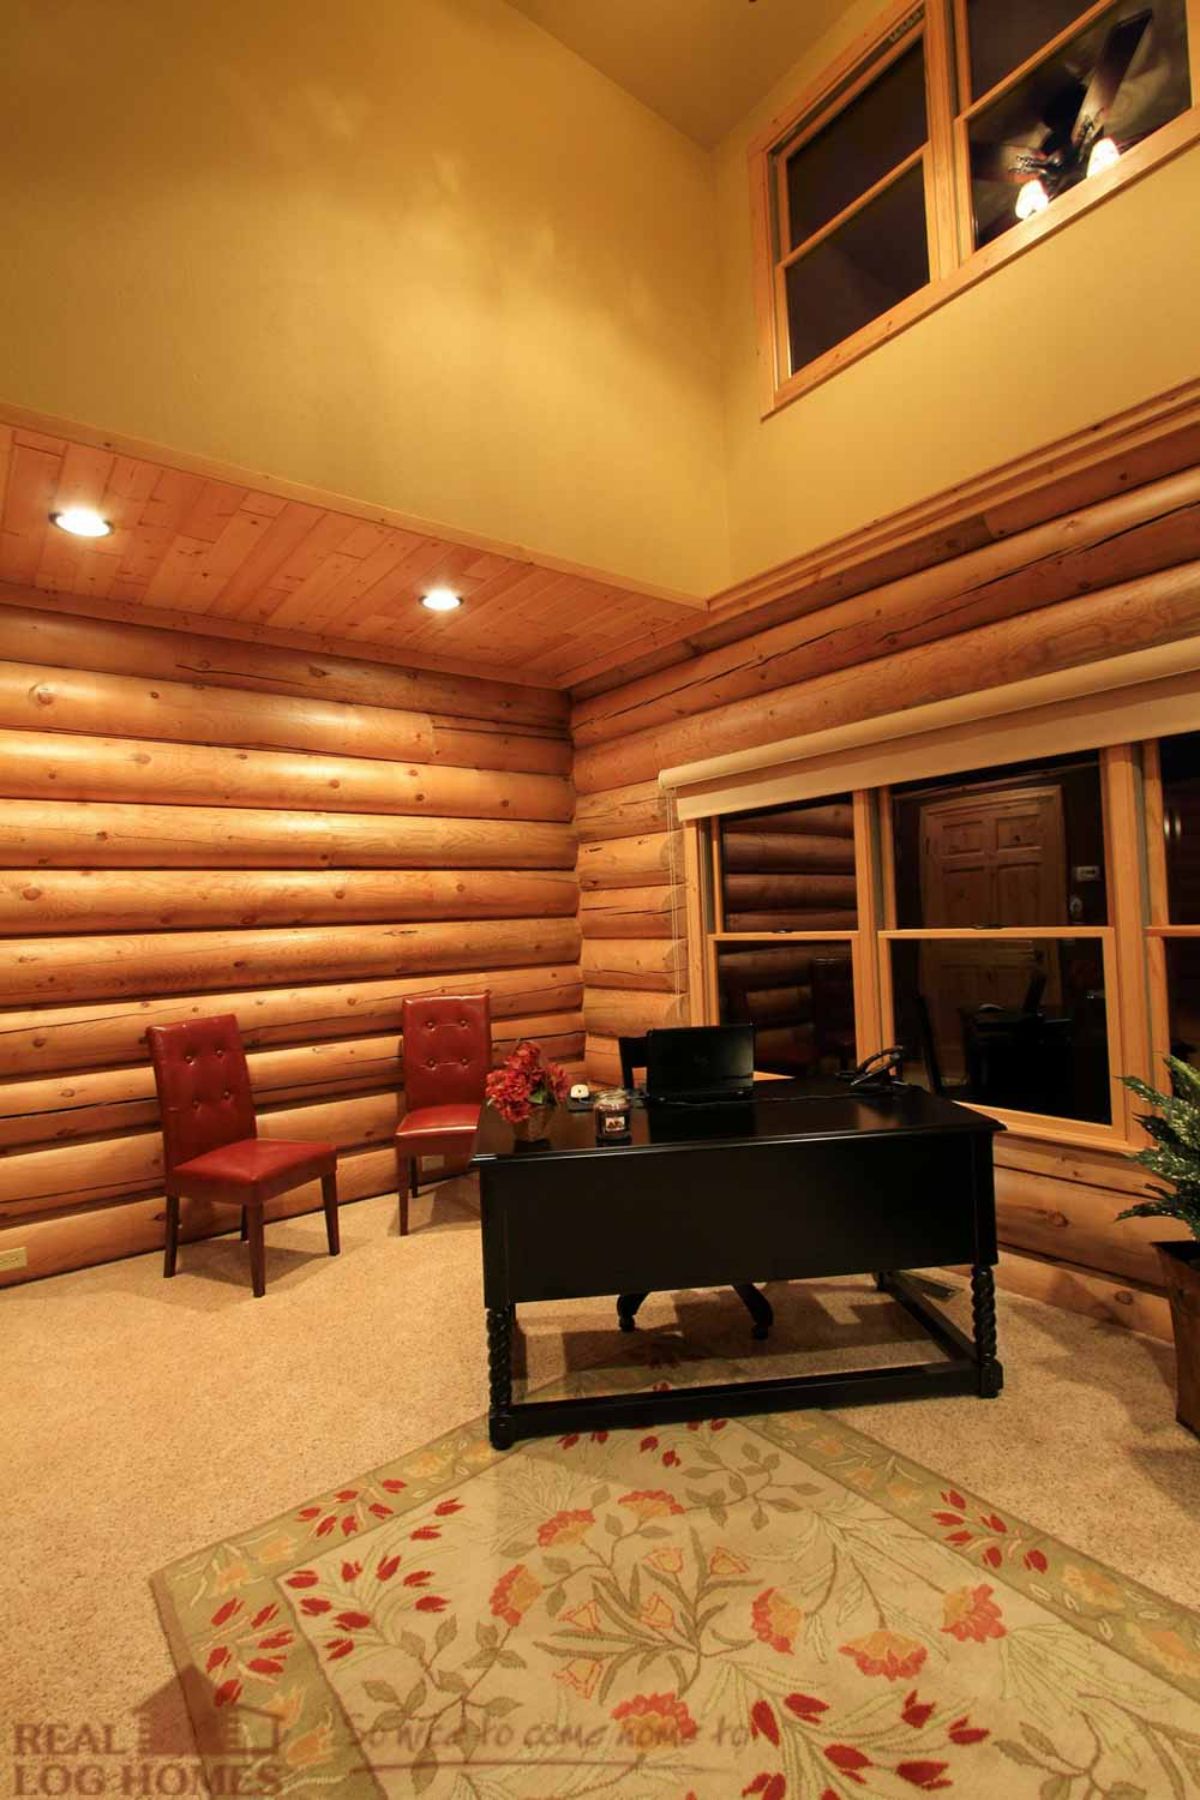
(803, 1181)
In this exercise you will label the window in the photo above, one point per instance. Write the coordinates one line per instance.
(1027, 932)
(1173, 784)
(961, 123)
(786, 919)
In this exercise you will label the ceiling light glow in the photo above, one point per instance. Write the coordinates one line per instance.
(441, 600)
(1032, 199)
(1105, 155)
(82, 521)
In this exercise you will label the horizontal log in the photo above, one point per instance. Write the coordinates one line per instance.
(33, 1181)
(67, 641)
(57, 1038)
(85, 833)
(78, 1238)
(36, 697)
(759, 893)
(602, 1061)
(93, 968)
(831, 818)
(639, 912)
(616, 1012)
(1123, 539)
(627, 862)
(767, 852)
(112, 1102)
(631, 963)
(52, 765)
(622, 812)
(1101, 1297)
(791, 920)
(1157, 609)
(778, 1005)
(741, 969)
(54, 901)
(1070, 1222)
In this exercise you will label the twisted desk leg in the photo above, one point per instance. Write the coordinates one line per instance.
(983, 1308)
(499, 1336)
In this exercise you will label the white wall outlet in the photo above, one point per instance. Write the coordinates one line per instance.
(14, 1259)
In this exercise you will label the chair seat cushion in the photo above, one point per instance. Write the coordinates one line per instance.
(252, 1170)
(438, 1130)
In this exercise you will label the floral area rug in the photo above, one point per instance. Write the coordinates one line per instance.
(776, 1606)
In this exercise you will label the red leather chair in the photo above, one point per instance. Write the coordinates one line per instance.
(447, 1055)
(210, 1136)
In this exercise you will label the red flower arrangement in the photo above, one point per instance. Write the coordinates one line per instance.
(525, 1081)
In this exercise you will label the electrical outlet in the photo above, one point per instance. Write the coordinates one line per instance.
(13, 1259)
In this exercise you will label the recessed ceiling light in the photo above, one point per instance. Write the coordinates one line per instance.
(441, 600)
(81, 521)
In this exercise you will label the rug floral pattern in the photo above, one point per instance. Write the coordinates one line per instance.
(778, 1606)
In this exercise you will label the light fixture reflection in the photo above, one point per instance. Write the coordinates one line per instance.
(441, 600)
(81, 521)
(1105, 155)
(1031, 199)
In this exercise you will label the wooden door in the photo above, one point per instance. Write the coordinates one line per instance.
(989, 860)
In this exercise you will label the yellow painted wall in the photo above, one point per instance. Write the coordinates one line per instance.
(1101, 316)
(412, 251)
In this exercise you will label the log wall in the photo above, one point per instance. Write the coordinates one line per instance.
(1120, 574)
(191, 824)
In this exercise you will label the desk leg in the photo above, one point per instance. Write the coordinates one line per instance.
(499, 1336)
(627, 1308)
(983, 1308)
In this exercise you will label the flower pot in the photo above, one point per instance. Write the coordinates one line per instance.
(1181, 1272)
(533, 1129)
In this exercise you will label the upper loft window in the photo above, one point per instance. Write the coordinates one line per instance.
(963, 127)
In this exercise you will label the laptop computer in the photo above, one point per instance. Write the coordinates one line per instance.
(700, 1064)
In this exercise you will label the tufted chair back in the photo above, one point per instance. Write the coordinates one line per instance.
(447, 1050)
(203, 1086)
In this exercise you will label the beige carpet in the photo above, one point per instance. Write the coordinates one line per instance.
(141, 1419)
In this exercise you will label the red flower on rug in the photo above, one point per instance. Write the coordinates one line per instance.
(654, 1721)
(924, 1775)
(887, 1653)
(776, 1621)
(566, 1528)
(514, 1594)
(971, 1613)
(914, 1714)
(849, 1761)
(650, 1503)
(806, 1707)
(771, 1787)
(763, 1722)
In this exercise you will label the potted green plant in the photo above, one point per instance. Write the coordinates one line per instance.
(1175, 1156)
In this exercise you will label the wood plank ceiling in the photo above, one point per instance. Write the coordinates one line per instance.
(191, 543)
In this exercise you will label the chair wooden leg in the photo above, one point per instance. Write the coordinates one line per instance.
(171, 1250)
(258, 1251)
(244, 1230)
(329, 1196)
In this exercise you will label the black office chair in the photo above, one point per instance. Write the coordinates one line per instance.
(633, 1058)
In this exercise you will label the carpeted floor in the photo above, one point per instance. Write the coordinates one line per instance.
(142, 1419)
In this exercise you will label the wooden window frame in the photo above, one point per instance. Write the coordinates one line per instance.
(1123, 719)
(955, 264)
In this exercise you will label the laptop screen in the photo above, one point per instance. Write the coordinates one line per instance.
(699, 1062)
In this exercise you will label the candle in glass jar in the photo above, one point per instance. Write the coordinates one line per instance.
(612, 1116)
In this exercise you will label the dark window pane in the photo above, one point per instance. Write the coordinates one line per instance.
(798, 997)
(1180, 758)
(790, 868)
(1016, 1023)
(1053, 114)
(869, 138)
(1183, 996)
(864, 268)
(1003, 33)
(1023, 845)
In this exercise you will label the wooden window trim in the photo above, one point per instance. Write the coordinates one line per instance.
(955, 266)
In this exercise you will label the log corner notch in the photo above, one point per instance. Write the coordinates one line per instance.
(301, 841)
